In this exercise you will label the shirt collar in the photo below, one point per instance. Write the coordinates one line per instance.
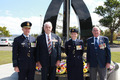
(25, 36)
(47, 34)
(97, 37)
(74, 40)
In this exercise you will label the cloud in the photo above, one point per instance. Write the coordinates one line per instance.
(8, 13)
(13, 24)
(91, 5)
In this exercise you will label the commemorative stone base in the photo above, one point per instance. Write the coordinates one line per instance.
(110, 75)
(58, 77)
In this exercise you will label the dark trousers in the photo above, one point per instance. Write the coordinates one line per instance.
(26, 74)
(27, 71)
(48, 73)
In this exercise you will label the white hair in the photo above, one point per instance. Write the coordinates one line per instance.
(48, 23)
(95, 27)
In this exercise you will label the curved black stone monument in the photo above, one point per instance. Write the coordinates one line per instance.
(81, 11)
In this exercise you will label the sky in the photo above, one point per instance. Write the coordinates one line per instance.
(14, 12)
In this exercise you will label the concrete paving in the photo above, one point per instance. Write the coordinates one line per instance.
(7, 72)
(5, 48)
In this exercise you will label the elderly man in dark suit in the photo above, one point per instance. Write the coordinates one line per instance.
(24, 53)
(48, 52)
(98, 55)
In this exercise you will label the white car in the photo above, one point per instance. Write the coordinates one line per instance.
(118, 38)
(6, 41)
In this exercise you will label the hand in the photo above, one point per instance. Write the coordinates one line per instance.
(16, 69)
(108, 65)
(57, 63)
(39, 65)
(88, 65)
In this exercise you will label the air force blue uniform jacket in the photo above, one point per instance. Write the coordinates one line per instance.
(74, 52)
(23, 51)
(99, 56)
(24, 57)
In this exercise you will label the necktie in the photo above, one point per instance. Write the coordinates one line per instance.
(27, 39)
(49, 45)
(74, 43)
(96, 44)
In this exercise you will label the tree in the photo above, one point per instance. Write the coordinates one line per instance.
(4, 32)
(34, 35)
(108, 34)
(110, 13)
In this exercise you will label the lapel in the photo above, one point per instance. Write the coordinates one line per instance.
(44, 39)
(77, 42)
(52, 37)
(22, 36)
(92, 40)
(71, 42)
(30, 39)
(101, 41)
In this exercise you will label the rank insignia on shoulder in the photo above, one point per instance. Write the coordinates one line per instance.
(79, 47)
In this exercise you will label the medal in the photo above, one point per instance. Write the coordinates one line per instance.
(33, 44)
(102, 46)
(79, 47)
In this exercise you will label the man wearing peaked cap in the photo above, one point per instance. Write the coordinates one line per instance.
(26, 24)
(24, 53)
(74, 49)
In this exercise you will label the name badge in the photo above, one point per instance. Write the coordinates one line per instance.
(102, 46)
(33, 44)
(79, 47)
(54, 40)
(23, 44)
(92, 43)
(69, 45)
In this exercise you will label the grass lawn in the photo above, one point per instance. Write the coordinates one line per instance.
(6, 57)
(116, 42)
(115, 56)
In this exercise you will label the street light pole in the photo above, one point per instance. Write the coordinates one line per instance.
(41, 22)
(66, 20)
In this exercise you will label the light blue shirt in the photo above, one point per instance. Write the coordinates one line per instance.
(97, 40)
(26, 36)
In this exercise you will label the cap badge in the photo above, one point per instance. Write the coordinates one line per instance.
(28, 24)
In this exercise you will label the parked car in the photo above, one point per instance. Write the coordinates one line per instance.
(6, 41)
(118, 38)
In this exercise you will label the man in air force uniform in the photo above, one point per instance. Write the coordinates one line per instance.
(24, 53)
